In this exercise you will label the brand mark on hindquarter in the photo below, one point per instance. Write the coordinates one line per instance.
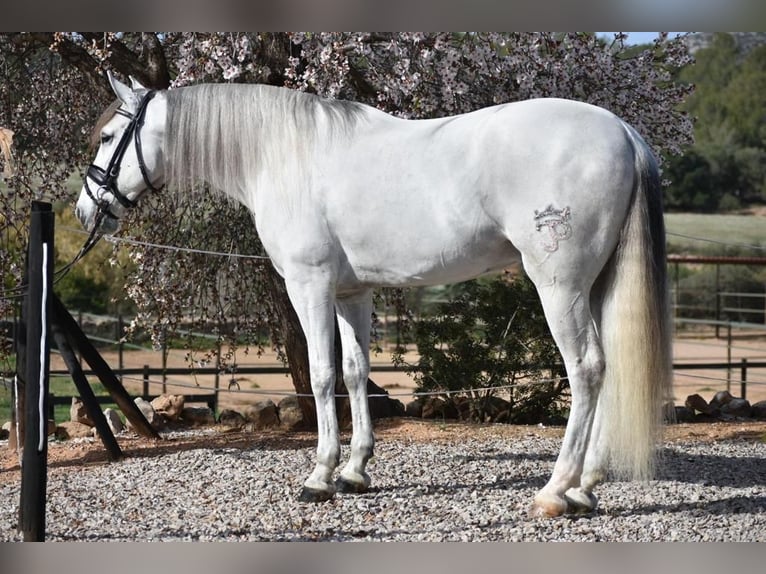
(555, 224)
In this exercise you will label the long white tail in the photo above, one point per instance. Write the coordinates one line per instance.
(635, 329)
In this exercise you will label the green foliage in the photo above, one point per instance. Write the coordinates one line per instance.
(726, 167)
(724, 231)
(78, 291)
(488, 335)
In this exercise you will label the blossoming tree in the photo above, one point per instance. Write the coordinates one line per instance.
(53, 89)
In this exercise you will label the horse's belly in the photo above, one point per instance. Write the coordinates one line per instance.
(406, 267)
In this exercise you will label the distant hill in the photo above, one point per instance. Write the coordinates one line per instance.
(745, 41)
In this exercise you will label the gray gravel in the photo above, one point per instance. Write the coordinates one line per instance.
(472, 490)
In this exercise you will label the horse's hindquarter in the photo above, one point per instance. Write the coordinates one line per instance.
(562, 177)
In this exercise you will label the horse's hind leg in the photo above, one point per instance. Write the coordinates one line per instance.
(354, 315)
(568, 313)
(581, 498)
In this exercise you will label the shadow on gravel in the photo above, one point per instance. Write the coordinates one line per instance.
(508, 456)
(712, 507)
(711, 470)
(416, 490)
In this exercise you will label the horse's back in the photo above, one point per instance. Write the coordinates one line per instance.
(434, 201)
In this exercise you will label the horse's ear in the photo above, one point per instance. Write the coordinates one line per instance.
(135, 85)
(122, 91)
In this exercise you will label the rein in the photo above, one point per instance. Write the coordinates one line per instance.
(107, 178)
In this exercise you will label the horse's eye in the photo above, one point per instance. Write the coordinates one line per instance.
(106, 138)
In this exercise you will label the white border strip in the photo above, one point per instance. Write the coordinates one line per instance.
(43, 336)
(19, 446)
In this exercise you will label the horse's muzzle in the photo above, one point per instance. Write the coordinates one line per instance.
(90, 218)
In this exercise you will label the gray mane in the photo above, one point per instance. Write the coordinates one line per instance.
(230, 134)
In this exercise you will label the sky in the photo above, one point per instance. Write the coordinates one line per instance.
(636, 37)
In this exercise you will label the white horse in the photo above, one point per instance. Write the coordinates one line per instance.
(346, 198)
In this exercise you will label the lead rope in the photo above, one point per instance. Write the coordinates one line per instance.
(93, 238)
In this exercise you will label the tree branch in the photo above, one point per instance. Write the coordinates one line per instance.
(151, 70)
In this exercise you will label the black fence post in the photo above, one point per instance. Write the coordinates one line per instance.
(80, 342)
(743, 379)
(164, 361)
(217, 381)
(120, 345)
(728, 356)
(87, 396)
(34, 467)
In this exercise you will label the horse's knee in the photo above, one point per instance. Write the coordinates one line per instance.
(322, 379)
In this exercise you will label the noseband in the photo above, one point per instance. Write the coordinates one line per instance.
(107, 178)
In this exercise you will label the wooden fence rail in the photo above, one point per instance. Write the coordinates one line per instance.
(211, 399)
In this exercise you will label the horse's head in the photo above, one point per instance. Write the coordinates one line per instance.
(129, 161)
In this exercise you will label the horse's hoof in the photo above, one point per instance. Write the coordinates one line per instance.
(547, 506)
(315, 495)
(347, 487)
(580, 501)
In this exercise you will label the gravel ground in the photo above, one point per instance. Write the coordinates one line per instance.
(466, 487)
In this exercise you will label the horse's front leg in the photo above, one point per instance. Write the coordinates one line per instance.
(354, 316)
(314, 306)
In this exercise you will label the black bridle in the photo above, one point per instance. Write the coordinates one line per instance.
(107, 178)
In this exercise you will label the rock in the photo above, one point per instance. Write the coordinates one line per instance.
(231, 419)
(737, 408)
(720, 398)
(114, 421)
(414, 409)
(148, 410)
(169, 406)
(497, 410)
(385, 407)
(73, 429)
(437, 408)
(51, 427)
(758, 410)
(198, 416)
(697, 403)
(7, 426)
(465, 408)
(263, 414)
(290, 414)
(78, 413)
(381, 404)
(684, 415)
